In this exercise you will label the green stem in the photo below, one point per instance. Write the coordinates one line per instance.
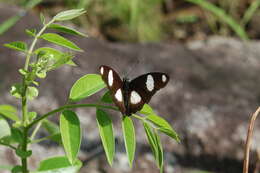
(8, 145)
(43, 139)
(67, 107)
(24, 148)
(24, 96)
(35, 130)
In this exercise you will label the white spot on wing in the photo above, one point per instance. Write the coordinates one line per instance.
(102, 70)
(135, 97)
(118, 95)
(110, 78)
(150, 83)
(164, 78)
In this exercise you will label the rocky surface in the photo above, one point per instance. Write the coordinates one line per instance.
(213, 90)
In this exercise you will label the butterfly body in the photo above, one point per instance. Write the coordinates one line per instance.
(130, 96)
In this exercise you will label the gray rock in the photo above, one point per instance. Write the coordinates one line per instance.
(212, 92)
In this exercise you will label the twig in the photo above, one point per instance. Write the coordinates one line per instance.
(249, 140)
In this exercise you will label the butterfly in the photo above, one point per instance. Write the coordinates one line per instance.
(130, 96)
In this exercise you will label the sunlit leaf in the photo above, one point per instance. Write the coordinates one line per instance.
(86, 86)
(61, 41)
(106, 134)
(70, 133)
(9, 111)
(32, 93)
(69, 14)
(59, 164)
(163, 126)
(106, 98)
(5, 129)
(17, 45)
(66, 29)
(129, 138)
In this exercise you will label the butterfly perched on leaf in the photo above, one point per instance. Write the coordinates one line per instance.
(130, 96)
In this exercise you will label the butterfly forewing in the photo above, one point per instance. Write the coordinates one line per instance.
(142, 88)
(114, 84)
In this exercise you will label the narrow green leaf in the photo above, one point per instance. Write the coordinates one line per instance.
(17, 45)
(9, 111)
(155, 144)
(10, 22)
(106, 134)
(106, 98)
(151, 139)
(57, 55)
(61, 41)
(222, 16)
(66, 29)
(160, 151)
(32, 93)
(69, 14)
(86, 86)
(5, 129)
(70, 133)
(31, 32)
(163, 126)
(59, 164)
(147, 110)
(129, 138)
(42, 18)
(53, 130)
(6, 167)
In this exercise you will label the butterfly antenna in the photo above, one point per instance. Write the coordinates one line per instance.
(133, 66)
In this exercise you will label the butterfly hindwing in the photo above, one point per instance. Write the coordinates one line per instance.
(114, 84)
(143, 88)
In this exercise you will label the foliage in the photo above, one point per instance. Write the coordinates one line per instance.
(20, 130)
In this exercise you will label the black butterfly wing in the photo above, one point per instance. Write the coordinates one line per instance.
(142, 88)
(114, 84)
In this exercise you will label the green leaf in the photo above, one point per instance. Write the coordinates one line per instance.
(17, 135)
(23, 154)
(42, 18)
(6, 167)
(155, 144)
(32, 93)
(9, 111)
(17, 45)
(147, 109)
(66, 29)
(129, 138)
(32, 116)
(16, 90)
(31, 32)
(59, 40)
(10, 22)
(17, 169)
(106, 98)
(70, 134)
(5, 129)
(53, 130)
(69, 14)
(57, 55)
(86, 86)
(106, 134)
(163, 126)
(58, 164)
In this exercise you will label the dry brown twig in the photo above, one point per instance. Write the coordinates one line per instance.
(249, 140)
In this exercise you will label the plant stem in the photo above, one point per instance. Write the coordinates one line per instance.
(24, 96)
(8, 145)
(24, 148)
(67, 107)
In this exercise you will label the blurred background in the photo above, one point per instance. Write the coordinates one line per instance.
(210, 49)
